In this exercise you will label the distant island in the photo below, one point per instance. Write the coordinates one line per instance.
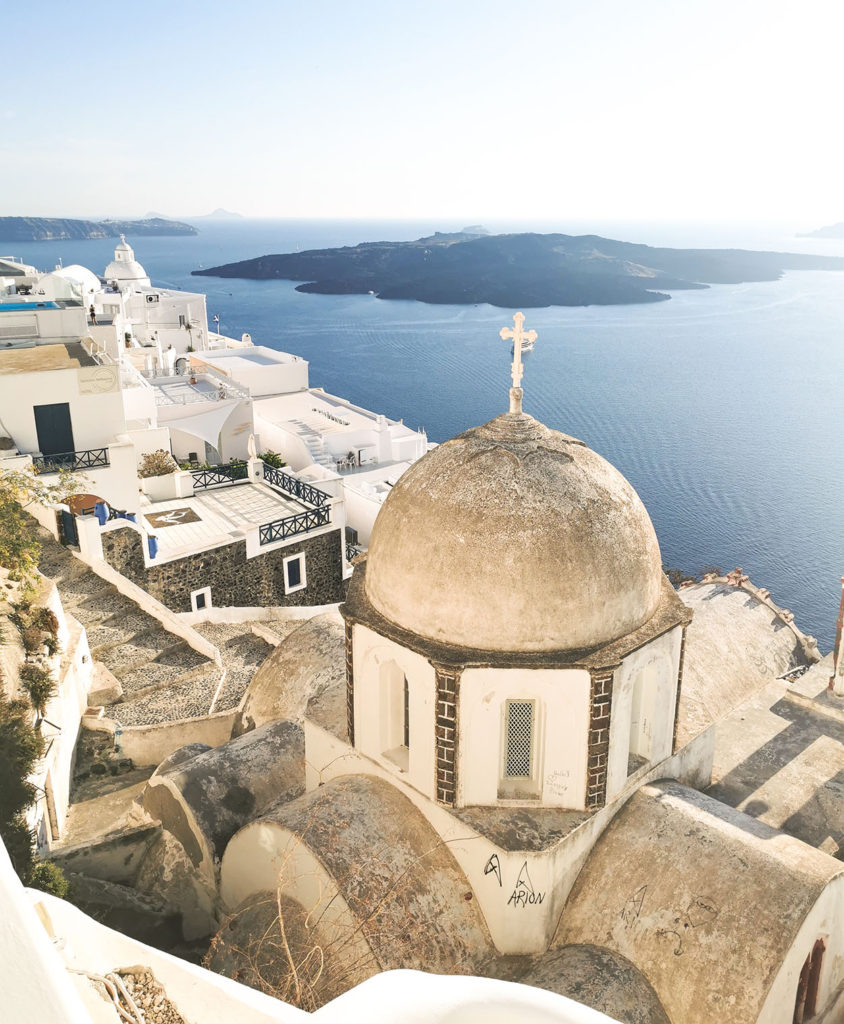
(517, 270)
(830, 231)
(219, 214)
(53, 229)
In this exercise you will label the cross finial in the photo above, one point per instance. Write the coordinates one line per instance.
(519, 337)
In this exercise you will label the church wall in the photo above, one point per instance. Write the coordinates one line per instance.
(824, 921)
(516, 924)
(561, 728)
(655, 667)
(373, 656)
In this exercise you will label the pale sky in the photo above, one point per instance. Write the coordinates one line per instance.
(467, 109)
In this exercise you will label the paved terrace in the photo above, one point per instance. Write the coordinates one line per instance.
(178, 390)
(215, 516)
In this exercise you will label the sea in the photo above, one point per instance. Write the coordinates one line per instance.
(724, 407)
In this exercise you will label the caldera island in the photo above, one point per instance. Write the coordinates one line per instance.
(514, 270)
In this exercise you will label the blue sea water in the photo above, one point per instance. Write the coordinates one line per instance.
(723, 407)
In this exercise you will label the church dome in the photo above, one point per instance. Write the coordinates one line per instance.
(514, 537)
(124, 266)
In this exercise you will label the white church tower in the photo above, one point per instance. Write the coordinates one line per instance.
(511, 638)
(124, 269)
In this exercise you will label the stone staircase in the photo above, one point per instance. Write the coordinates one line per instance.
(315, 444)
(242, 653)
(162, 678)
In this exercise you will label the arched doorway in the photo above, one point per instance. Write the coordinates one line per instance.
(806, 1000)
(83, 504)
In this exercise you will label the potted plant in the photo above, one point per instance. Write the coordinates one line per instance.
(157, 471)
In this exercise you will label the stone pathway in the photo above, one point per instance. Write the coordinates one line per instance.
(162, 677)
(242, 653)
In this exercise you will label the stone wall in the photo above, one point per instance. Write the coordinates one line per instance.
(599, 739)
(233, 579)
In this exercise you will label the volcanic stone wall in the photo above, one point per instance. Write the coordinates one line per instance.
(234, 580)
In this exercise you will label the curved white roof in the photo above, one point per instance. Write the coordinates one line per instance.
(80, 275)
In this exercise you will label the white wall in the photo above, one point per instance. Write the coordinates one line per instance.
(372, 655)
(34, 984)
(96, 417)
(270, 378)
(73, 669)
(146, 441)
(139, 404)
(657, 666)
(361, 513)
(561, 724)
(46, 324)
(162, 317)
(826, 921)
(116, 483)
(276, 438)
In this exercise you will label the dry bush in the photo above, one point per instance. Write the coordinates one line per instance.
(157, 463)
(272, 943)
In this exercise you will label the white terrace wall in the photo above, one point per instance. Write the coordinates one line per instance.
(270, 377)
(73, 669)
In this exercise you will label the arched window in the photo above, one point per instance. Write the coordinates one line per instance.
(395, 715)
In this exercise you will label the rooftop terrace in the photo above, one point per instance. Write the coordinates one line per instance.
(215, 516)
(35, 358)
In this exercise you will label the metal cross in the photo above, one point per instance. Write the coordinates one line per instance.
(519, 336)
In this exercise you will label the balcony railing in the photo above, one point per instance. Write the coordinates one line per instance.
(94, 458)
(301, 522)
(292, 485)
(219, 475)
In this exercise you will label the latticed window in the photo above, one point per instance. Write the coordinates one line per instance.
(519, 760)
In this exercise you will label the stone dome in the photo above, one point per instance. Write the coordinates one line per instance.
(514, 537)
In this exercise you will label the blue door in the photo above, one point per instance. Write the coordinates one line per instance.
(69, 531)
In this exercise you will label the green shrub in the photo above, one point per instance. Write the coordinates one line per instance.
(272, 459)
(20, 747)
(39, 684)
(48, 877)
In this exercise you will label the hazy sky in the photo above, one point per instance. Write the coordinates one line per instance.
(468, 109)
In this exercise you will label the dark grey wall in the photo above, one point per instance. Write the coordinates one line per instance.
(233, 579)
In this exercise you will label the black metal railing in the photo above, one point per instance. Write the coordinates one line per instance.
(292, 485)
(94, 458)
(219, 475)
(279, 529)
